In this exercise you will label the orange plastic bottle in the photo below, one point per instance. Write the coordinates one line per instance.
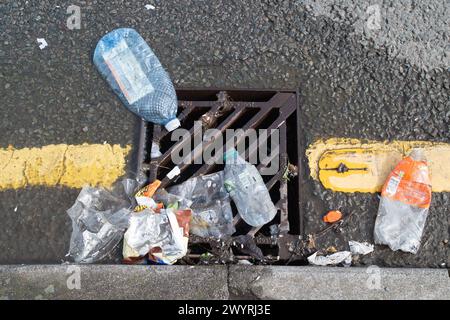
(404, 206)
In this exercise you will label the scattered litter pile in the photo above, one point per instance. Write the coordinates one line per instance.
(155, 225)
(403, 210)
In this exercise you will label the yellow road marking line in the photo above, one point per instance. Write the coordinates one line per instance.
(68, 165)
(379, 158)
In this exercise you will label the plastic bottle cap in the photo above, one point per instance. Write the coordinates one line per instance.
(172, 124)
(174, 172)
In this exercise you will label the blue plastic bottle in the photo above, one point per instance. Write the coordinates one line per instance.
(135, 74)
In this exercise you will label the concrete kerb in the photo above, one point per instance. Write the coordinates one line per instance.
(107, 282)
(220, 282)
(279, 282)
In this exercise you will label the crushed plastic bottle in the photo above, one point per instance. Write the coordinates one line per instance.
(135, 74)
(248, 191)
(404, 206)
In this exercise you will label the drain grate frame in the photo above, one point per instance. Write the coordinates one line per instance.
(238, 108)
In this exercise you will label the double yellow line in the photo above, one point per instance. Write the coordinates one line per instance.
(367, 164)
(102, 164)
(67, 165)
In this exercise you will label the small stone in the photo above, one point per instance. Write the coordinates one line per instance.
(7, 86)
(331, 250)
(85, 129)
(22, 130)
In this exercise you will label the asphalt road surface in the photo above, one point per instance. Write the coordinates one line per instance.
(360, 76)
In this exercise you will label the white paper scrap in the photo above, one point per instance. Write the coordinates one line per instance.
(360, 247)
(42, 43)
(344, 257)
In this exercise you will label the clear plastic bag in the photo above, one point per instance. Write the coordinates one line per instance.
(210, 203)
(99, 220)
(404, 205)
(169, 199)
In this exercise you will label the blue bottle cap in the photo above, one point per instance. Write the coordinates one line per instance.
(230, 154)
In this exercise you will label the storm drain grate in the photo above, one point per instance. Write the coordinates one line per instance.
(236, 109)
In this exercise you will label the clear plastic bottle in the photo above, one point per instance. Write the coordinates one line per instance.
(248, 191)
(135, 74)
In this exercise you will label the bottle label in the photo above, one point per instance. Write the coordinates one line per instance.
(128, 73)
(245, 180)
(409, 183)
(392, 185)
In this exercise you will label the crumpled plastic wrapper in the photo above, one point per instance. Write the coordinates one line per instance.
(210, 203)
(162, 236)
(146, 229)
(99, 220)
(361, 248)
(344, 257)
